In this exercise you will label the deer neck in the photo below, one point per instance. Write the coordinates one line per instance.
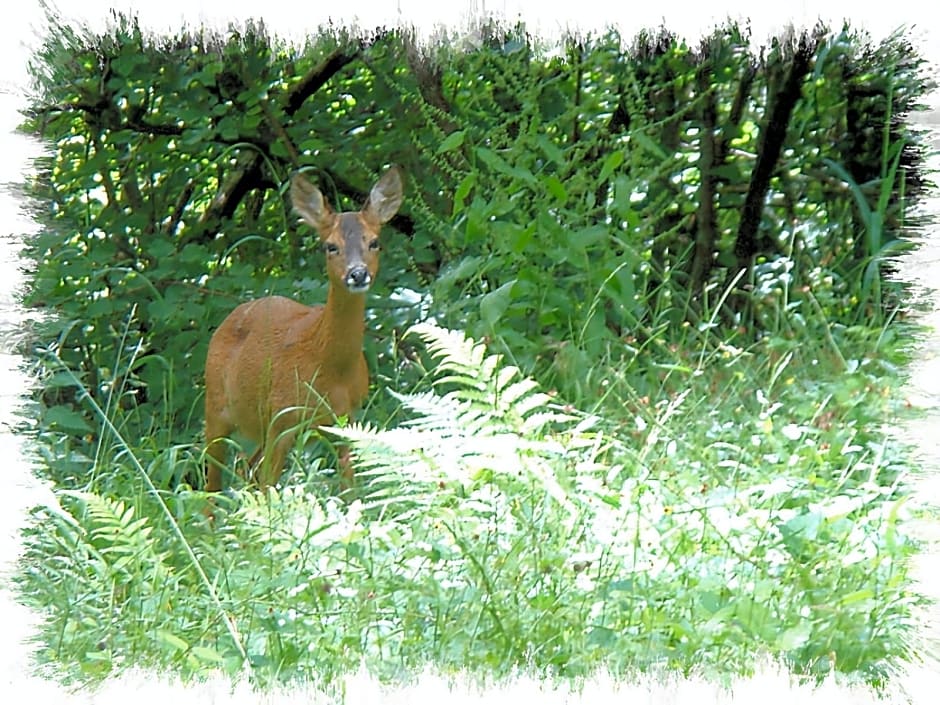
(342, 325)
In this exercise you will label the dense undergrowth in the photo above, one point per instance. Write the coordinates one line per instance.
(756, 507)
(666, 442)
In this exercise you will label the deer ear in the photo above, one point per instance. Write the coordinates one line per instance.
(310, 204)
(385, 197)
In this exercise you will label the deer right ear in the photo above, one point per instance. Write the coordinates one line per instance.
(385, 197)
(309, 203)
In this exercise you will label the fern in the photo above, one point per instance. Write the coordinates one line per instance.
(118, 585)
(120, 543)
(483, 421)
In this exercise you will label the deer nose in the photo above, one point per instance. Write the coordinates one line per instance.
(358, 278)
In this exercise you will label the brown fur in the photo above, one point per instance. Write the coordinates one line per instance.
(275, 365)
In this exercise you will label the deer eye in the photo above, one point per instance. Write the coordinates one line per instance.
(331, 248)
(374, 244)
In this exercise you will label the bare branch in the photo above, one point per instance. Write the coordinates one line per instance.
(179, 208)
(100, 112)
(317, 76)
(706, 217)
(281, 133)
(233, 188)
(772, 136)
(429, 77)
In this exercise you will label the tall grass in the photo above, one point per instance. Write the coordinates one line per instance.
(752, 508)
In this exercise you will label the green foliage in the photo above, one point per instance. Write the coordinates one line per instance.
(679, 255)
(497, 531)
(560, 200)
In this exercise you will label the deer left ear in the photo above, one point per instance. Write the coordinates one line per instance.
(310, 204)
(385, 198)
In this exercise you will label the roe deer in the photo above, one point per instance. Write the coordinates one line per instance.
(275, 364)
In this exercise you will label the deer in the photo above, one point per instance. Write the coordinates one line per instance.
(275, 366)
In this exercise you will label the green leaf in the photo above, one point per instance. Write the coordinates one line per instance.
(497, 163)
(614, 160)
(160, 248)
(59, 379)
(856, 596)
(556, 188)
(649, 145)
(204, 653)
(551, 150)
(171, 640)
(463, 269)
(451, 142)
(494, 304)
(795, 637)
(623, 195)
(66, 419)
(860, 200)
(161, 310)
(520, 238)
(586, 237)
(463, 190)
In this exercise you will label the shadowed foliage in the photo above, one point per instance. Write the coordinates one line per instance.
(657, 441)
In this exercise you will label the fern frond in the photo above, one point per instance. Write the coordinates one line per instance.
(112, 522)
(504, 376)
(480, 379)
(120, 540)
(432, 411)
(455, 353)
(493, 423)
(522, 397)
(534, 423)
